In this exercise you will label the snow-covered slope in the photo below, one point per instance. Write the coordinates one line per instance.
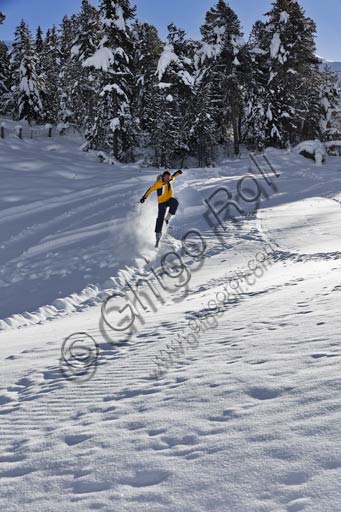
(67, 221)
(246, 417)
(334, 65)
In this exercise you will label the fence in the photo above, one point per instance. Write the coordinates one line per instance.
(27, 133)
(35, 133)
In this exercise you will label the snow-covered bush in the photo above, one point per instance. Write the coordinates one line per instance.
(105, 159)
(333, 147)
(313, 149)
(62, 127)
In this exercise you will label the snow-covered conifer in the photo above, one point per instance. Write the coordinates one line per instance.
(50, 66)
(220, 64)
(28, 84)
(175, 72)
(285, 108)
(147, 51)
(112, 126)
(330, 105)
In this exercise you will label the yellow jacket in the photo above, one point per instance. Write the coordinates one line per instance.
(164, 190)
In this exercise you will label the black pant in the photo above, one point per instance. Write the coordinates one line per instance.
(173, 204)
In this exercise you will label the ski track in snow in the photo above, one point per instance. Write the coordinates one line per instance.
(260, 429)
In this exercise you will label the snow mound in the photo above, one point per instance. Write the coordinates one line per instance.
(313, 147)
(311, 226)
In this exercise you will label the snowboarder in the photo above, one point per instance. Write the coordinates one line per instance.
(163, 186)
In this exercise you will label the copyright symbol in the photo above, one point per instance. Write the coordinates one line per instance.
(79, 357)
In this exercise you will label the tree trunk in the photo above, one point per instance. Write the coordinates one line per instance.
(235, 133)
(115, 144)
(182, 159)
(115, 137)
(235, 109)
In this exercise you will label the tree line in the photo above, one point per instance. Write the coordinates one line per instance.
(129, 93)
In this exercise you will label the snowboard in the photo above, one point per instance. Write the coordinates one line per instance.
(166, 228)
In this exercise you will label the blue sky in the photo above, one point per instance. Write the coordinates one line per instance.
(188, 14)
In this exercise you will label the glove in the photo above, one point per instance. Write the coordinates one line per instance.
(142, 200)
(179, 171)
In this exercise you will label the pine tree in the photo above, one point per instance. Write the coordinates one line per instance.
(83, 81)
(5, 80)
(288, 97)
(220, 61)
(88, 34)
(67, 73)
(39, 49)
(30, 106)
(39, 43)
(50, 64)
(112, 127)
(329, 102)
(28, 85)
(67, 34)
(21, 41)
(5, 75)
(175, 72)
(147, 51)
(202, 134)
(257, 98)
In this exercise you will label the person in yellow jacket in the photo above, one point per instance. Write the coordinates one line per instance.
(163, 186)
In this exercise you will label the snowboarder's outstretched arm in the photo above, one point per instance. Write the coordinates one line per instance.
(176, 174)
(157, 185)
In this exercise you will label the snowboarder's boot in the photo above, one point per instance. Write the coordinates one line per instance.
(158, 238)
